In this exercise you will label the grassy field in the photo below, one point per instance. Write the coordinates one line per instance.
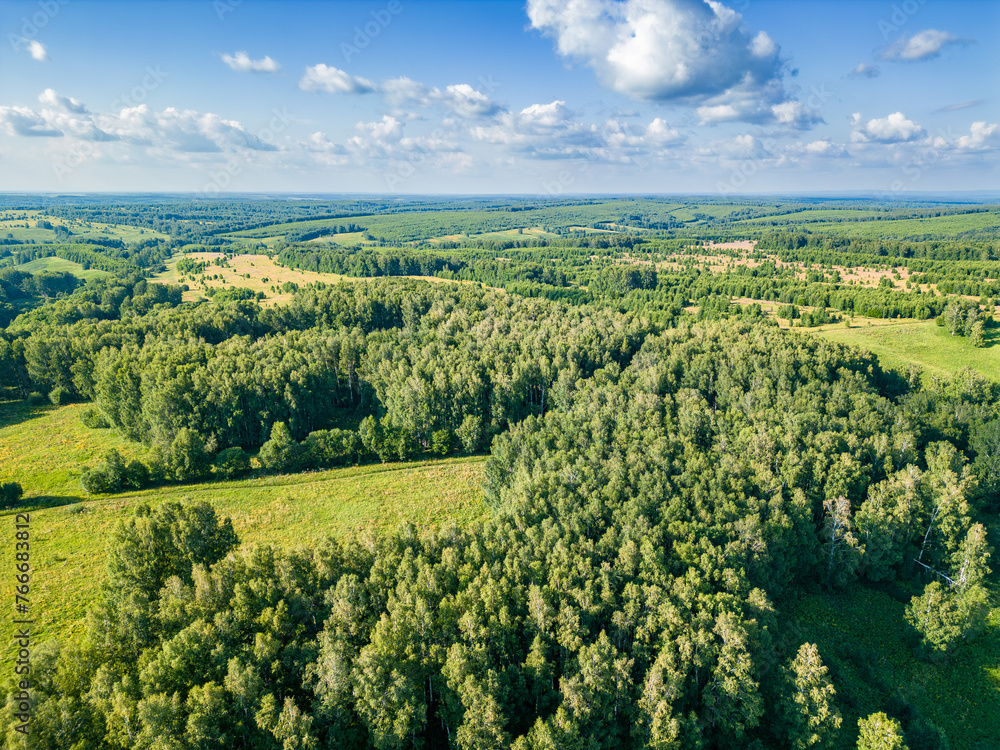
(247, 271)
(938, 226)
(258, 273)
(44, 448)
(21, 225)
(59, 265)
(902, 343)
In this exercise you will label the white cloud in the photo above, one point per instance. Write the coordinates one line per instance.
(825, 148)
(921, 46)
(552, 131)
(53, 99)
(170, 130)
(896, 128)
(405, 92)
(660, 49)
(545, 116)
(242, 63)
(37, 50)
(710, 114)
(982, 135)
(659, 132)
(25, 121)
(460, 98)
(467, 102)
(334, 81)
(795, 114)
(325, 151)
(866, 70)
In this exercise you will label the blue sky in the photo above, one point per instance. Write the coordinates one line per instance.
(543, 96)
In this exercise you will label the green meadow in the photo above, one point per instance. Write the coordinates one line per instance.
(45, 449)
(61, 265)
(921, 343)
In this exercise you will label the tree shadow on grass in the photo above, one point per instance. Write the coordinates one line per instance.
(41, 502)
(16, 412)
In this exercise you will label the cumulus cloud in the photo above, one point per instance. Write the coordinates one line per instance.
(896, 128)
(405, 92)
(795, 114)
(25, 121)
(982, 136)
(660, 49)
(660, 133)
(242, 63)
(465, 101)
(325, 151)
(866, 70)
(553, 131)
(825, 148)
(924, 45)
(68, 103)
(36, 49)
(169, 130)
(545, 116)
(460, 99)
(334, 81)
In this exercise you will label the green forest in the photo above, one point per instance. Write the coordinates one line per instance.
(707, 513)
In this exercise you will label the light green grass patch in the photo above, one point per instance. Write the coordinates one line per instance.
(44, 448)
(921, 343)
(294, 511)
(61, 265)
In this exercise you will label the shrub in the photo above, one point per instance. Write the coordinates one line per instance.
(36, 399)
(188, 458)
(100, 480)
(280, 453)
(470, 433)
(324, 448)
(136, 475)
(93, 418)
(59, 396)
(10, 494)
(441, 442)
(232, 462)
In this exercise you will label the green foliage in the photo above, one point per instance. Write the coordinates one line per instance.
(59, 396)
(231, 463)
(93, 418)
(280, 453)
(808, 709)
(10, 494)
(188, 458)
(944, 617)
(441, 442)
(879, 732)
(653, 485)
(155, 544)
